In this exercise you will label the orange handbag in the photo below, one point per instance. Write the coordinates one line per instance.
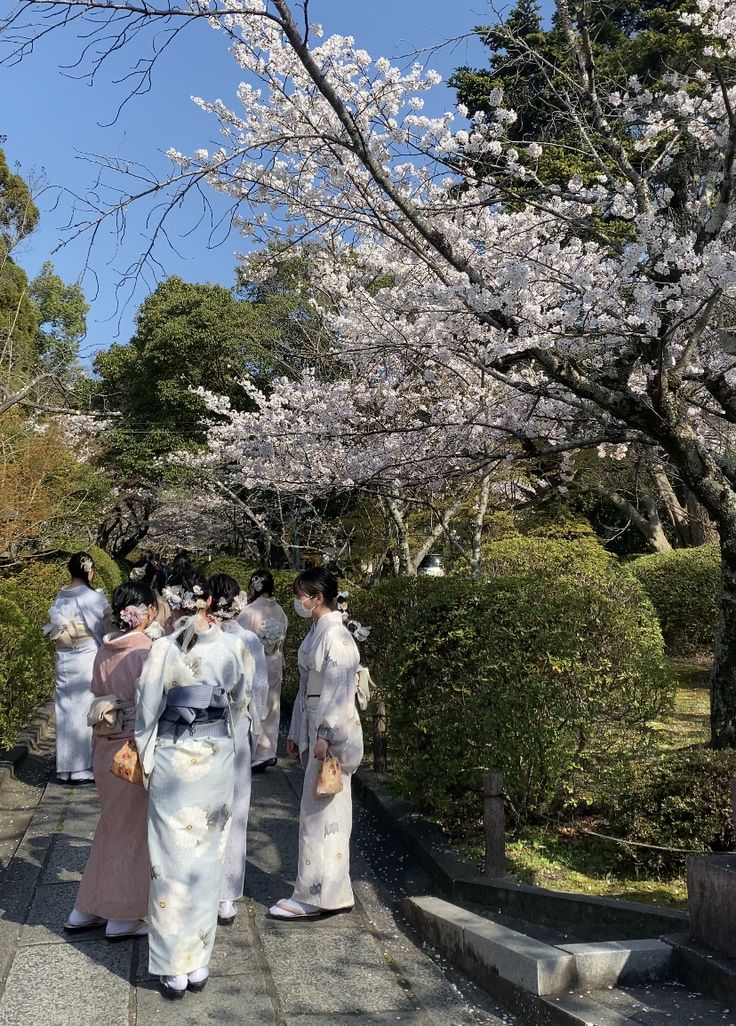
(126, 764)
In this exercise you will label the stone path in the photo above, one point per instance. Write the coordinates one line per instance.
(358, 969)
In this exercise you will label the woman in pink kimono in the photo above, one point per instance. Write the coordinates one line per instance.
(265, 617)
(114, 885)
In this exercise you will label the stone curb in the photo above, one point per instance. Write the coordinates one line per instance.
(541, 982)
(461, 882)
(703, 970)
(505, 975)
(37, 730)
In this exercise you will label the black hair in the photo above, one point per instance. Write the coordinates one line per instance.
(317, 581)
(189, 582)
(77, 570)
(181, 570)
(130, 593)
(268, 583)
(223, 589)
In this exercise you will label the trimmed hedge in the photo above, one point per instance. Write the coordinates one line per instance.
(684, 587)
(550, 556)
(107, 572)
(683, 800)
(537, 679)
(26, 670)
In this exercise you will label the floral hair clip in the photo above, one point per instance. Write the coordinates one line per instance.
(137, 573)
(133, 615)
(86, 564)
(257, 583)
(359, 631)
(197, 590)
(172, 594)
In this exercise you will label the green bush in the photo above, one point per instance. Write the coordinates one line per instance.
(549, 556)
(540, 680)
(684, 587)
(682, 800)
(236, 566)
(107, 572)
(26, 669)
(35, 585)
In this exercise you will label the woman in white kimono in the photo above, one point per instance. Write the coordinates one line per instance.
(227, 602)
(325, 721)
(265, 617)
(193, 689)
(77, 623)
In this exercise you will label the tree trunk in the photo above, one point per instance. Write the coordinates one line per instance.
(723, 674)
(649, 526)
(479, 517)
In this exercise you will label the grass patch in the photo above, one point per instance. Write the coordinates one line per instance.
(564, 858)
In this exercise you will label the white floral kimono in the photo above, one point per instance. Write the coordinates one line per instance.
(325, 707)
(76, 626)
(189, 771)
(265, 617)
(247, 730)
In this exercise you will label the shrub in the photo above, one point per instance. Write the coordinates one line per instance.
(236, 566)
(683, 586)
(26, 669)
(35, 585)
(682, 800)
(549, 556)
(107, 572)
(533, 679)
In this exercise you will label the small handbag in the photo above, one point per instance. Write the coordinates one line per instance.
(329, 778)
(126, 764)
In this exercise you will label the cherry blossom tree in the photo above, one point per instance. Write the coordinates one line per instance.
(482, 308)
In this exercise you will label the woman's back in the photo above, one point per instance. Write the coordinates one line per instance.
(118, 665)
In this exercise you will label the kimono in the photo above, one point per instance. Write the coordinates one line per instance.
(325, 707)
(188, 767)
(265, 617)
(114, 884)
(76, 627)
(247, 730)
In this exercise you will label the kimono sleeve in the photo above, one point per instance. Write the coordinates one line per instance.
(240, 693)
(259, 697)
(159, 673)
(297, 713)
(338, 682)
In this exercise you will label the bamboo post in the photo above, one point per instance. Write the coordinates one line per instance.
(379, 738)
(733, 804)
(494, 825)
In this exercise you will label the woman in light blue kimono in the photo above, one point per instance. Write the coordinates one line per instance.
(77, 623)
(227, 603)
(194, 688)
(325, 722)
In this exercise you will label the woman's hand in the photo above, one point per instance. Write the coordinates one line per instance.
(292, 749)
(320, 749)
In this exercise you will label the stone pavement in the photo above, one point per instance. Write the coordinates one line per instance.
(360, 969)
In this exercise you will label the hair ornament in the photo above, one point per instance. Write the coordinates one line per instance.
(86, 564)
(133, 615)
(137, 573)
(359, 631)
(173, 595)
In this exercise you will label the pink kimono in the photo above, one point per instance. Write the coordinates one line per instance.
(115, 881)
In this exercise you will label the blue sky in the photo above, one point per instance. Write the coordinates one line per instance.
(53, 119)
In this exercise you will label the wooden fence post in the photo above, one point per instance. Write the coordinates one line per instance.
(379, 738)
(733, 804)
(494, 825)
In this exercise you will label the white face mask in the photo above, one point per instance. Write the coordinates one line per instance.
(301, 610)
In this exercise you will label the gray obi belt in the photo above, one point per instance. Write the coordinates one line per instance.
(195, 704)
